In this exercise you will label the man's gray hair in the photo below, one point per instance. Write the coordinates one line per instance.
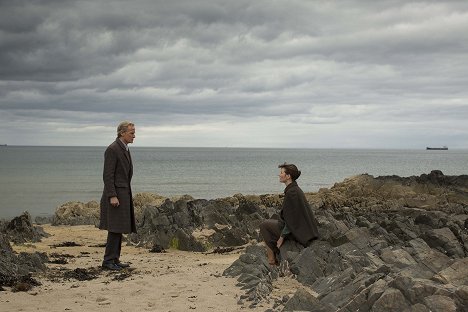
(123, 127)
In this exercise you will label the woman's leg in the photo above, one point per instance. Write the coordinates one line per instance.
(270, 232)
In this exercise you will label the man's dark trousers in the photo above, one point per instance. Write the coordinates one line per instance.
(113, 246)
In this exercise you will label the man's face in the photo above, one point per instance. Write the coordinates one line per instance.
(129, 135)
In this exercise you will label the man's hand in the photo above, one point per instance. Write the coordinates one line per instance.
(114, 201)
(280, 242)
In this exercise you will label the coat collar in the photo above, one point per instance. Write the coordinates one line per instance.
(125, 150)
(292, 184)
(121, 144)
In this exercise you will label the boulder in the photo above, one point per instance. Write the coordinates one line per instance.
(21, 230)
(254, 275)
(432, 259)
(305, 301)
(200, 225)
(77, 213)
(391, 300)
(438, 303)
(445, 241)
(16, 268)
(455, 274)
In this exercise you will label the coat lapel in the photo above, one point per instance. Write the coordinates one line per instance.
(124, 150)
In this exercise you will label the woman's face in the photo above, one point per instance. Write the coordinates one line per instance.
(283, 177)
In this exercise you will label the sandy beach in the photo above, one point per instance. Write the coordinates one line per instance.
(171, 281)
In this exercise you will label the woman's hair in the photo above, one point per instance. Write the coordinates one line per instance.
(291, 170)
(123, 127)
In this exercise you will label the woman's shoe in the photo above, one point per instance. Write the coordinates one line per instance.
(272, 257)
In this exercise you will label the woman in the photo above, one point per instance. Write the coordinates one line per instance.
(297, 220)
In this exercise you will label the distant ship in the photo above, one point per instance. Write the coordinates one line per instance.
(443, 148)
(3, 145)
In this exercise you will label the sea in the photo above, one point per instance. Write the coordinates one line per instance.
(39, 179)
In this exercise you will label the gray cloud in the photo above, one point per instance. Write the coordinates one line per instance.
(197, 71)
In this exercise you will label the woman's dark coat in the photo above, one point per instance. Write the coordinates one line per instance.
(298, 215)
(117, 175)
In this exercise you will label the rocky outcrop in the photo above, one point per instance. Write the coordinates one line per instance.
(253, 274)
(79, 213)
(433, 191)
(15, 268)
(20, 229)
(200, 225)
(387, 244)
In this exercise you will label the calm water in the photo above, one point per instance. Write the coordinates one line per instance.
(39, 179)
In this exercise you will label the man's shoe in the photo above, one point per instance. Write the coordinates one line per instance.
(123, 265)
(111, 266)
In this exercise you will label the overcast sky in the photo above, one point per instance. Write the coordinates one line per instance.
(259, 73)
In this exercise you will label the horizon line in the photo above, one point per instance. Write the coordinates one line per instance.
(235, 147)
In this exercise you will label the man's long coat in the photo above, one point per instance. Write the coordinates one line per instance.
(117, 175)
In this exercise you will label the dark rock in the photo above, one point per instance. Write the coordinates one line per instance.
(311, 264)
(330, 228)
(185, 241)
(415, 290)
(16, 268)
(432, 259)
(31, 262)
(200, 225)
(455, 274)
(391, 300)
(462, 293)
(440, 304)
(222, 250)
(289, 250)
(21, 230)
(157, 249)
(253, 273)
(344, 286)
(364, 298)
(304, 301)
(418, 307)
(25, 283)
(431, 219)
(398, 258)
(445, 241)
(253, 261)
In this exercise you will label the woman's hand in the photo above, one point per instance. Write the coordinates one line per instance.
(280, 242)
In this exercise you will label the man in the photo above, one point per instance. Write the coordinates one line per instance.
(117, 214)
